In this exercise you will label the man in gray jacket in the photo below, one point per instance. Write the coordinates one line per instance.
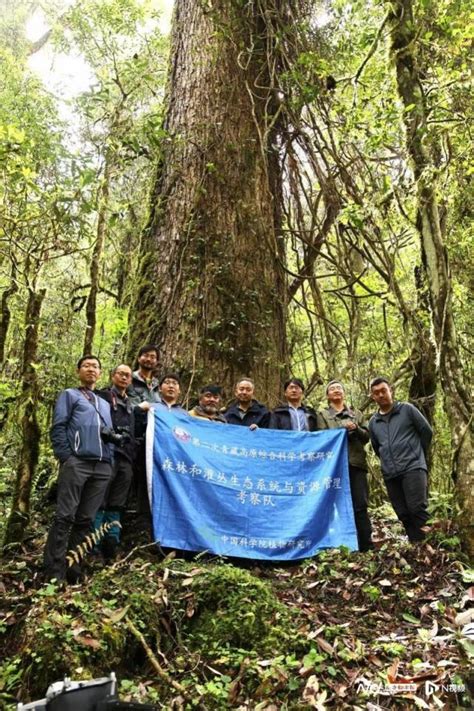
(401, 436)
(80, 435)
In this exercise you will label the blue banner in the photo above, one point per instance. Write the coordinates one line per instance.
(262, 494)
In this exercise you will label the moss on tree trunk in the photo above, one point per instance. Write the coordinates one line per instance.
(211, 286)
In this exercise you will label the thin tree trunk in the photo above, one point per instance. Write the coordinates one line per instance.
(96, 259)
(124, 267)
(6, 314)
(211, 286)
(30, 429)
(424, 380)
(436, 261)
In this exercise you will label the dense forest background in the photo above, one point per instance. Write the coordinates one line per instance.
(268, 187)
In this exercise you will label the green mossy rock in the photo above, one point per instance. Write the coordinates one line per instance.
(82, 631)
(233, 608)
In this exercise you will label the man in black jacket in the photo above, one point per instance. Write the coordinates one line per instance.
(293, 415)
(123, 421)
(401, 436)
(244, 410)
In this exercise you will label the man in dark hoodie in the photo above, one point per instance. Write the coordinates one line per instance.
(293, 415)
(244, 410)
(85, 470)
(401, 436)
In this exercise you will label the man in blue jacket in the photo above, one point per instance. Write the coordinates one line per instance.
(401, 436)
(79, 433)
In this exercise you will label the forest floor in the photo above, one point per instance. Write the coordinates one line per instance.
(389, 629)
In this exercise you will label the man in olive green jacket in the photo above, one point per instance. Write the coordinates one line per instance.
(337, 415)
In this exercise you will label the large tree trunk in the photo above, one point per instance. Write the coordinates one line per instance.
(435, 259)
(29, 453)
(211, 286)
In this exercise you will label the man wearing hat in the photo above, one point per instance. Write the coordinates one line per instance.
(339, 414)
(208, 407)
(293, 415)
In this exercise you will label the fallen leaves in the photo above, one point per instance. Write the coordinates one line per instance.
(115, 616)
(416, 625)
(325, 646)
(88, 642)
(314, 698)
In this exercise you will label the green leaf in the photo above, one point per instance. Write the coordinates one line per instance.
(468, 575)
(468, 647)
(410, 618)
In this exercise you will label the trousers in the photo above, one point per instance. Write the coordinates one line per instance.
(81, 488)
(360, 499)
(408, 494)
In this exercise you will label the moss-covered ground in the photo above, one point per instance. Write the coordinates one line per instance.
(388, 629)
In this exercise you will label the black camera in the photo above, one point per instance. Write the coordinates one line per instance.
(119, 436)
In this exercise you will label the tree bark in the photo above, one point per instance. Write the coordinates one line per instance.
(435, 259)
(211, 286)
(424, 380)
(96, 259)
(31, 433)
(6, 317)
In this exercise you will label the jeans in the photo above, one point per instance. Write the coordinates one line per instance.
(408, 494)
(115, 498)
(81, 488)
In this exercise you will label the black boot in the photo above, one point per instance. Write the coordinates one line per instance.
(109, 549)
(75, 574)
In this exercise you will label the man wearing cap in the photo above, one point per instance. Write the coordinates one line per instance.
(293, 415)
(338, 415)
(244, 410)
(208, 406)
(401, 437)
